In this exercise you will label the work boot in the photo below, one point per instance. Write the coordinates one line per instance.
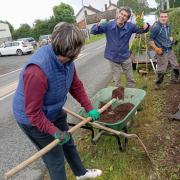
(175, 76)
(159, 80)
(157, 86)
(91, 173)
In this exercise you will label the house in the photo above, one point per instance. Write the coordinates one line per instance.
(88, 10)
(5, 34)
(94, 16)
(111, 6)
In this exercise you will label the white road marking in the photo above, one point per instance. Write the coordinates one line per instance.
(10, 72)
(100, 46)
(8, 90)
(4, 97)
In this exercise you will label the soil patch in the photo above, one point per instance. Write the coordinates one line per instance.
(118, 93)
(117, 114)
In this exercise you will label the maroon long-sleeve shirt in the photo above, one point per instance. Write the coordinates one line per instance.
(35, 87)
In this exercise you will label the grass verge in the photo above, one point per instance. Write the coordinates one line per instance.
(94, 38)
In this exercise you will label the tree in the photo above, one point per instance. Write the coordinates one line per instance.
(174, 3)
(23, 31)
(163, 3)
(138, 6)
(40, 27)
(64, 12)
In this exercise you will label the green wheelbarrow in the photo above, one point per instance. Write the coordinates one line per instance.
(131, 95)
(120, 128)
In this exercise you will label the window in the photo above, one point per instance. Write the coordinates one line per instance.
(8, 44)
(15, 44)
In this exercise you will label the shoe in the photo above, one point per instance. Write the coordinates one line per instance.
(175, 81)
(91, 173)
(157, 86)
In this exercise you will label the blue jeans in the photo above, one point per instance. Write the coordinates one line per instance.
(54, 159)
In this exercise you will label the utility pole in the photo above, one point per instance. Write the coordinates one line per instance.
(167, 4)
(162, 4)
(85, 21)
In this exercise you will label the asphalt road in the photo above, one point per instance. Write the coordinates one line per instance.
(93, 70)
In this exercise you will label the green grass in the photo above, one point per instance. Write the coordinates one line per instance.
(94, 38)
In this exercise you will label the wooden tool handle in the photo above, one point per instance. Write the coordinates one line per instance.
(47, 148)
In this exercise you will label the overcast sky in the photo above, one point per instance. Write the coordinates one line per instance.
(27, 11)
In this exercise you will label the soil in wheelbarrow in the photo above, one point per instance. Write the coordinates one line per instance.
(117, 114)
(118, 93)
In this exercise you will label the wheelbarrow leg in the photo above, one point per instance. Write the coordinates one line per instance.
(125, 139)
(119, 143)
(85, 127)
(97, 137)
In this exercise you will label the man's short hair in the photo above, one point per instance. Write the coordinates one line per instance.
(162, 12)
(67, 40)
(127, 9)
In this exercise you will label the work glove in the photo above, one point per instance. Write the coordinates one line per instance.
(63, 136)
(103, 22)
(175, 42)
(159, 51)
(94, 114)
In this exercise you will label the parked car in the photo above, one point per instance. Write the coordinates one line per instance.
(44, 40)
(16, 47)
(31, 40)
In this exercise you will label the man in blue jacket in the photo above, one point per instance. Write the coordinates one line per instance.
(162, 42)
(118, 33)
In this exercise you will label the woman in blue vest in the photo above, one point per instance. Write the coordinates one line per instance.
(44, 83)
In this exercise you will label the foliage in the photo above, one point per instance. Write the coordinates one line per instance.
(172, 3)
(175, 21)
(139, 43)
(42, 27)
(23, 31)
(135, 5)
(139, 21)
(64, 12)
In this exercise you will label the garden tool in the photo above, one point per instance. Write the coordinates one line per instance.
(118, 133)
(47, 148)
(175, 116)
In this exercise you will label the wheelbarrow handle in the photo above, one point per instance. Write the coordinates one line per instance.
(47, 148)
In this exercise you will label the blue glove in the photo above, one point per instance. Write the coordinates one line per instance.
(63, 136)
(94, 114)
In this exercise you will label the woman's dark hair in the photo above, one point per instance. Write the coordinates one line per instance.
(67, 40)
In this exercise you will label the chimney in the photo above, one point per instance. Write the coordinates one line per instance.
(105, 7)
(109, 2)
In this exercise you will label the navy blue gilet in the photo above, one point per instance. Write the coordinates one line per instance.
(59, 82)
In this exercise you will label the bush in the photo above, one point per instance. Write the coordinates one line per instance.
(175, 22)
